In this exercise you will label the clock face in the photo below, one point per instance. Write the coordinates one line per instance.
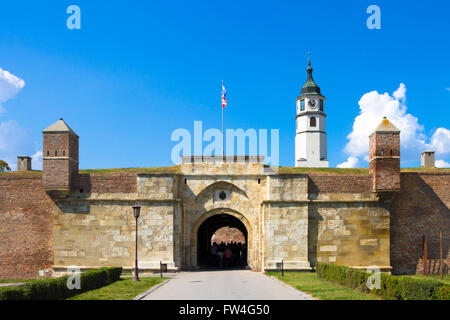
(312, 103)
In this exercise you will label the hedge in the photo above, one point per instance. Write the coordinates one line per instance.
(391, 287)
(56, 289)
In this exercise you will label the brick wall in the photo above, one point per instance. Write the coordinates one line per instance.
(106, 183)
(339, 183)
(421, 207)
(384, 144)
(60, 162)
(384, 155)
(26, 226)
(227, 235)
(386, 174)
(56, 174)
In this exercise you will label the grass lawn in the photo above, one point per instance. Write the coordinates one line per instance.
(321, 289)
(171, 169)
(124, 289)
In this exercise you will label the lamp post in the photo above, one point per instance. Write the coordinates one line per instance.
(136, 212)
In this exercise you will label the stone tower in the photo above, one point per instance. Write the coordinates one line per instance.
(23, 163)
(384, 157)
(60, 160)
(311, 136)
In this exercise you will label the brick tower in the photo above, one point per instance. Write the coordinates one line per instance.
(384, 155)
(60, 161)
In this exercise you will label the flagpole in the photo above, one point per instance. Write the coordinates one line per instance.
(223, 133)
(223, 137)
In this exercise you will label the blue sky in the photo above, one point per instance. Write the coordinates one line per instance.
(138, 70)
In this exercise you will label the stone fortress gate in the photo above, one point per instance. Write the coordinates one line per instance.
(284, 216)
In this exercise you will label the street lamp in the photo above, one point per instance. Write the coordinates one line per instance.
(136, 212)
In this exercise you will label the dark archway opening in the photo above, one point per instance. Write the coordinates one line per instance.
(223, 253)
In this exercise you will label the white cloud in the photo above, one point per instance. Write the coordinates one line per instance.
(442, 164)
(14, 140)
(36, 160)
(350, 163)
(10, 85)
(440, 141)
(373, 107)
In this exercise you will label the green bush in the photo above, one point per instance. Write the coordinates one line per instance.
(112, 274)
(391, 287)
(14, 293)
(56, 289)
(443, 293)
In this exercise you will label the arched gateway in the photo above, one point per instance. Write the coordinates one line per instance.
(207, 224)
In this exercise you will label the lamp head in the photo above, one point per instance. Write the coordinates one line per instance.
(136, 210)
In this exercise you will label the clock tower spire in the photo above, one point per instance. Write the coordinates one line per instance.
(311, 136)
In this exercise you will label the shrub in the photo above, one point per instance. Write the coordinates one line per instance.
(14, 293)
(443, 293)
(391, 287)
(56, 289)
(112, 274)
(51, 289)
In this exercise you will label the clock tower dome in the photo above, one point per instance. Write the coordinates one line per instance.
(311, 136)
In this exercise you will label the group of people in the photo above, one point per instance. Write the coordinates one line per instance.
(228, 255)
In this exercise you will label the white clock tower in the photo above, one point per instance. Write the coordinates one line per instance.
(311, 136)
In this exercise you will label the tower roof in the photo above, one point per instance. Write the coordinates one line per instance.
(386, 126)
(310, 87)
(59, 126)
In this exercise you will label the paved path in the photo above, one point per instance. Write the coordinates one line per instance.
(225, 285)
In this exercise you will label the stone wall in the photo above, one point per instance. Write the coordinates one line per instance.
(105, 235)
(421, 207)
(349, 233)
(286, 236)
(98, 228)
(26, 226)
(300, 218)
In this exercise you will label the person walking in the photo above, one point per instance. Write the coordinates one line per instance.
(228, 255)
(214, 254)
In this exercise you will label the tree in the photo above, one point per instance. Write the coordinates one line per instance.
(4, 166)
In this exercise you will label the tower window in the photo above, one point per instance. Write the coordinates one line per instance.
(64, 153)
(312, 122)
(321, 105)
(48, 152)
(302, 105)
(56, 153)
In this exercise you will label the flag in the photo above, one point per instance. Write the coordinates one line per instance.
(224, 93)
